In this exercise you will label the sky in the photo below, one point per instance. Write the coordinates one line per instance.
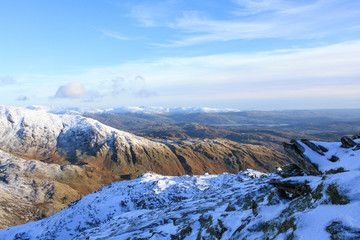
(244, 54)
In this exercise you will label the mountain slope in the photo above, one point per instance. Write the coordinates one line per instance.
(69, 139)
(48, 161)
(291, 204)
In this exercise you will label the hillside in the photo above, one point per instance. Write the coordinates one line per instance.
(50, 160)
(323, 187)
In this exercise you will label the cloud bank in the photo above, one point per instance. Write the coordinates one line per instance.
(71, 90)
(7, 81)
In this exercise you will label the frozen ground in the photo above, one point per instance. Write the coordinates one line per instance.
(247, 205)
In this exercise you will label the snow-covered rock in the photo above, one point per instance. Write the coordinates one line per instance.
(247, 205)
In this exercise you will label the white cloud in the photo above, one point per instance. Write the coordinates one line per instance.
(22, 98)
(309, 73)
(7, 80)
(249, 7)
(152, 14)
(144, 93)
(71, 90)
(115, 35)
(267, 19)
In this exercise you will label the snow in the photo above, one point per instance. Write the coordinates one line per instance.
(28, 130)
(138, 203)
(346, 155)
(141, 109)
(155, 207)
(161, 207)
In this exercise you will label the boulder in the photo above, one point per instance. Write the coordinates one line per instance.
(312, 146)
(347, 142)
(322, 148)
(296, 152)
(356, 136)
(357, 147)
(334, 158)
(289, 170)
(291, 189)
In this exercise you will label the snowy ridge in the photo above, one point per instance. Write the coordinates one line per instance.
(33, 130)
(141, 109)
(347, 155)
(250, 205)
(136, 202)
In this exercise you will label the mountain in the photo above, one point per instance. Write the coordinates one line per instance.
(72, 139)
(50, 160)
(316, 198)
(31, 190)
(140, 109)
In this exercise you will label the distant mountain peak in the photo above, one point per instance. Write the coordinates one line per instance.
(131, 109)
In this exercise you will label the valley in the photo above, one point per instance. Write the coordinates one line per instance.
(50, 160)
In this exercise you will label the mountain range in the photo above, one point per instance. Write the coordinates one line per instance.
(50, 160)
(318, 197)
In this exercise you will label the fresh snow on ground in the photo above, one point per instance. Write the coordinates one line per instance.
(350, 160)
(246, 205)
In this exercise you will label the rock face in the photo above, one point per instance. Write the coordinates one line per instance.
(313, 158)
(76, 156)
(296, 151)
(347, 142)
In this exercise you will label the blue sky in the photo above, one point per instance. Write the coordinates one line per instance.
(246, 54)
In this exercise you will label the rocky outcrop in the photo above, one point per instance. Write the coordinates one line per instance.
(356, 136)
(291, 189)
(296, 152)
(313, 158)
(357, 147)
(313, 146)
(347, 142)
(289, 170)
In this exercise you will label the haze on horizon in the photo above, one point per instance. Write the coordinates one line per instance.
(245, 54)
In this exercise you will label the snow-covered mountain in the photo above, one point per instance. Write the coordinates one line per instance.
(49, 160)
(318, 198)
(73, 139)
(39, 133)
(140, 109)
(31, 190)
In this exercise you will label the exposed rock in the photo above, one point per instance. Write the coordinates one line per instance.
(322, 148)
(356, 136)
(296, 152)
(334, 158)
(31, 190)
(312, 146)
(290, 170)
(347, 142)
(253, 207)
(339, 230)
(291, 189)
(357, 147)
